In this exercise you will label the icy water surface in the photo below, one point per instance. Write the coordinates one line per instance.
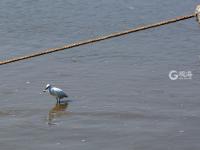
(121, 96)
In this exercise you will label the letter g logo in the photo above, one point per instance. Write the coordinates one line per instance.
(173, 75)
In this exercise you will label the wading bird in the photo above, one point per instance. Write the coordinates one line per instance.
(56, 92)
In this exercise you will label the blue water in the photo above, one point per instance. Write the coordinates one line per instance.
(122, 97)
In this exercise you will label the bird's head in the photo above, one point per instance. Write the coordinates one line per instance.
(47, 87)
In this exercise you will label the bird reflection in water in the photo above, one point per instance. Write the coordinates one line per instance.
(58, 110)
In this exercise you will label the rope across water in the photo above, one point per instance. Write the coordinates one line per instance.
(100, 38)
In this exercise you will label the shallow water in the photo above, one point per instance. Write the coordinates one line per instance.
(121, 96)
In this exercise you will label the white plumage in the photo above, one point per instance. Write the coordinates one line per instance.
(197, 13)
(56, 92)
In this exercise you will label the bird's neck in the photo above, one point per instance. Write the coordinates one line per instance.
(49, 89)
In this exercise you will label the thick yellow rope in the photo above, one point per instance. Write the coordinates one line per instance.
(100, 38)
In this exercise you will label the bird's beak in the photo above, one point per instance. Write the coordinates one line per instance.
(44, 90)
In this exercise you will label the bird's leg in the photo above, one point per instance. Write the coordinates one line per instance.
(57, 100)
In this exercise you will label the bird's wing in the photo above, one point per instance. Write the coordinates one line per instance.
(56, 89)
(59, 92)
